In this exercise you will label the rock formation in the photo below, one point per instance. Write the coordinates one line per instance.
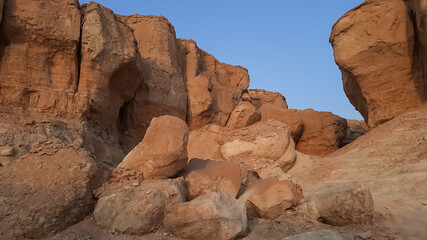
(375, 48)
(259, 97)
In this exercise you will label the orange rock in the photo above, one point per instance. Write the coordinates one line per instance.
(164, 91)
(46, 191)
(269, 198)
(214, 88)
(260, 97)
(110, 65)
(211, 216)
(163, 151)
(289, 117)
(204, 176)
(375, 50)
(245, 114)
(39, 67)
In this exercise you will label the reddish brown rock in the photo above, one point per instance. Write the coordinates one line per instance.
(163, 151)
(137, 207)
(214, 88)
(204, 176)
(374, 46)
(199, 139)
(211, 216)
(269, 198)
(110, 65)
(324, 133)
(46, 191)
(39, 63)
(245, 114)
(260, 97)
(341, 203)
(164, 91)
(290, 117)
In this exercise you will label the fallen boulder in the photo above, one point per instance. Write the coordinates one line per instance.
(259, 97)
(211, 216)
(245, 114)
(269, 198)
(163, 151)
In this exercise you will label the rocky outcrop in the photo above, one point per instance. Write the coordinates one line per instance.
(135, 207)
(163, 151)
(46, 191)
(374, 46)
(164, 91)
(355, 129)
(315, 133)
(110, 65)
(39, 63)
(204, 176)
(214, 88)
(269, 198)
(259, 97)
(211, 216)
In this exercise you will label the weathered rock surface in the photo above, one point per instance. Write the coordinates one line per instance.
(163, 151)
(341, 203)
(245, 114)
(290, 117)
(316, 235)
(39, 67)
(263, 140)
(134, 206)
(164, 91)
(204, 176)
(211, 216)
(46, 191)
(355, 129)
(259, 97)
(374, 46)
(110, 65)
(214, 88)
(269, 198)
(1, 9)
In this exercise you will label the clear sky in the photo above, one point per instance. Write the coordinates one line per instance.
(284, 44)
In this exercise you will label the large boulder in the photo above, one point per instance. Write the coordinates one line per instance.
(110, 70)
(245, 114)
(46, 191)
(39, 48)
(374, 46)
(134, 206)
(290, 117)
(202, 137)
(164, 91)
(259, 97)
(204, 176)
(263, 140)
(211, 216)
(341, 203)
(163, 151)
(315, 133)
(214, 88)
(269, 198)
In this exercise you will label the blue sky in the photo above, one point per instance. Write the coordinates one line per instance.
(284, 44)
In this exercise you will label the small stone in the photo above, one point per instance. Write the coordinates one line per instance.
(6, 151)
(135, 184)
(365, 235)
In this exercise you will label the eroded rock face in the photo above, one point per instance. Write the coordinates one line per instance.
(341, 203)
(164, 91)
(374, 46)
(259, 97)
(211, 216)
(163, 151)
(46, 191)
(204, 176)
(355, 130)
(214, 88)
(269, 198)
(39, 67)
(110, 65)
(137, 207)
